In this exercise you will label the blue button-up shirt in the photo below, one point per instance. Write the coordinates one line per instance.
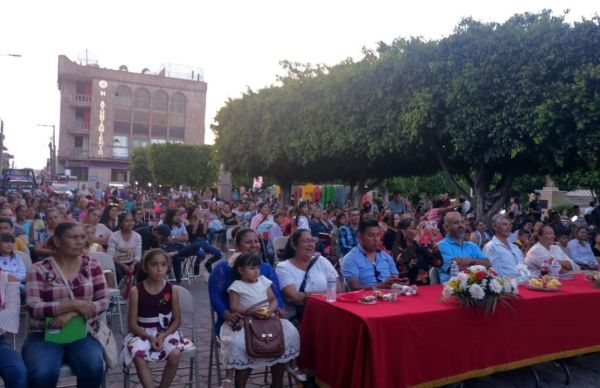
(504, 258)
(451, 249)
(582, 253)
(356, 265)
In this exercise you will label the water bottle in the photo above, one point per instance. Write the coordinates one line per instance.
(454, 270)
(555, 268)
(330, 294)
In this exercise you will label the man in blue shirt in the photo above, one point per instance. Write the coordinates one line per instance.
(455, 248)
(366, 265)
(347, 235)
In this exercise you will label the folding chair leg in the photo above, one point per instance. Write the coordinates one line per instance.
(120, 317)
(126, 377)
(210, 360)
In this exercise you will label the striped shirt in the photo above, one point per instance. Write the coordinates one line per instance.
(46, 289)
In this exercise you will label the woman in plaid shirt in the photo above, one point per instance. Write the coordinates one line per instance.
(48, 296)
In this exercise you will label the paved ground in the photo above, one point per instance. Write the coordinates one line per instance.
(585, 369)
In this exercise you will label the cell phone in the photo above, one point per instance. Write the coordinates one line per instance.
(430, 225)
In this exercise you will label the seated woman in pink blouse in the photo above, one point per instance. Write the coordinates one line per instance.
(48, 296)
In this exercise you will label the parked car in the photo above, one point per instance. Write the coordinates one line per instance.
(62, 188)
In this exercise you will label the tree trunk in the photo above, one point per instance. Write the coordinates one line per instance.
(286, 193)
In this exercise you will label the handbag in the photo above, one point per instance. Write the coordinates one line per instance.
(264, 337)
(103, 335)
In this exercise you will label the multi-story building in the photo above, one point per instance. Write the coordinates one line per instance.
(105, 113)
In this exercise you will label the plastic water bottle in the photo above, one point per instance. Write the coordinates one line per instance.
(555, 268)
(330, 295)
(454, 270)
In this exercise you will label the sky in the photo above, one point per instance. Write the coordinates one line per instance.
(238, 44)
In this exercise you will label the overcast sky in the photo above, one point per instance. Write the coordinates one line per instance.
(237, 43)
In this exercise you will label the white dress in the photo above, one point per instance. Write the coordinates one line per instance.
(233, 343)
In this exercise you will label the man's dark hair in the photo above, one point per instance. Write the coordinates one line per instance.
(367, 223)
(5, 220)
(524, 232)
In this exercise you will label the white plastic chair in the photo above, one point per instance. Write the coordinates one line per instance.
(107, 263)
(229, 242)
(186, 304)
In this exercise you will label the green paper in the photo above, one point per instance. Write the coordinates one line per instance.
(72, 331)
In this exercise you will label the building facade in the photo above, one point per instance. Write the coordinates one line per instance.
(106, 113)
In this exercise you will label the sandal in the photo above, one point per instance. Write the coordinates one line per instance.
(296, 372)
(226, 383)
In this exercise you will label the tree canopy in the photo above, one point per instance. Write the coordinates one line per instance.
(174, 165)
(489, 103)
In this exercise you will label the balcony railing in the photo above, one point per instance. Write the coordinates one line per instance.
(80, 99)
(80, 127)
(77, 153)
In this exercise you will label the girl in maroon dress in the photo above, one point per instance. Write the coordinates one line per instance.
(154, 318)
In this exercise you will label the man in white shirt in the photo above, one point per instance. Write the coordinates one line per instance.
(504, 256)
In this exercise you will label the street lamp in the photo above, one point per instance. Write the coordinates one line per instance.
(52, 148)
(11, 55)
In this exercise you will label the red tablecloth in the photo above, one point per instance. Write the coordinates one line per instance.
(420, 340)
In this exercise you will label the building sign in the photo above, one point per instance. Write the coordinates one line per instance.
(101, 114)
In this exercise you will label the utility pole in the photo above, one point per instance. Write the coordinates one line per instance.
(52, 146)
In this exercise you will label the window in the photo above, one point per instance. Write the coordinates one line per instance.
(178, 103)
(177, 117)
(141, 99)
(141, 112)
(160, 101)
(118, 175)
(122, 101)
(120, 147)
(78, 141)
(138, 142)
(83, 87)
(177, 133)
(80, 172)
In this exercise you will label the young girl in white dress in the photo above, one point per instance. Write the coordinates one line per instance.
(249, 289)
(154, 318)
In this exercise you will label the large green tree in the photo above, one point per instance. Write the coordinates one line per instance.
(174, 164)
(493, 102)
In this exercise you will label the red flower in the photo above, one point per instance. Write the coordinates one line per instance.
(140, 353)
(167, 296)
(480, 275)
(173, 341)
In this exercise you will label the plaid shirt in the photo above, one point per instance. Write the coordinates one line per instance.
(347, 238)
(46, 289)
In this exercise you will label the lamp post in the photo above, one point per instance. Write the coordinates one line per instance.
(11, 55)
(52, 147)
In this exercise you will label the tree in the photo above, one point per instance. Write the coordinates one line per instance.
(174, 165)
(138, 165)
(177, 164)
(492, 101)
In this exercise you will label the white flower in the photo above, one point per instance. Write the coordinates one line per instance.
(477, 268)
(476, 291)
(447, 292)
(514, 285)
(506, 286)
(484, 283)
(495, 286)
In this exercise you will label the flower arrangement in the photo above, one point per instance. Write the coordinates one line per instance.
(480, 287)
(594, 277)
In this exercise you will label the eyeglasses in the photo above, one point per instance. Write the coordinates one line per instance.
(377, 273)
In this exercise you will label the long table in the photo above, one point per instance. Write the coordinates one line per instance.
(421, 341)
